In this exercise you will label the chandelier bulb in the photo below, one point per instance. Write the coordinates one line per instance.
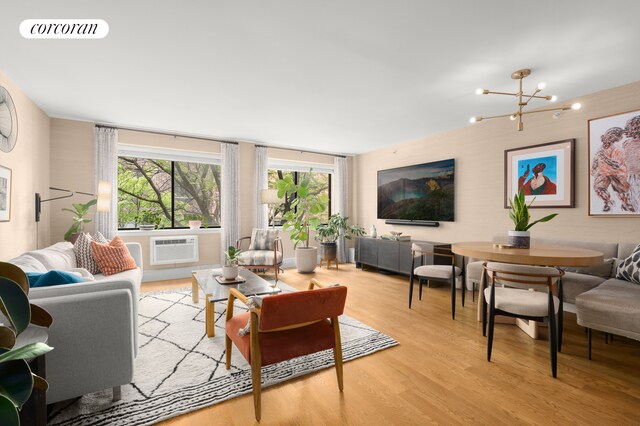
(475, 119)
(512, 117)
(553, 98)
(576, 106)
(542, 85)
(480, 91)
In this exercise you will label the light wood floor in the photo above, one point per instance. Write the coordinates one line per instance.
(439, 373)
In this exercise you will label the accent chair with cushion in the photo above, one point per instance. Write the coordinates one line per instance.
(264, 252)
(425, 272)
(523, 291)
(286, 326)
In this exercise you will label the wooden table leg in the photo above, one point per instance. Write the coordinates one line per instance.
(210, 312)
(194, 288)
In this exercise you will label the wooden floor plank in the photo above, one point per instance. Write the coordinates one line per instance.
(439, 373)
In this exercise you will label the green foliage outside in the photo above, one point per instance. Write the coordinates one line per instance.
(318, 185)
(144, 193)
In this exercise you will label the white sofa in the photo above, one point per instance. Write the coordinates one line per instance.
(95, 324)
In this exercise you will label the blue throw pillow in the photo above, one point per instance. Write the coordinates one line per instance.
(34, 277)
(52, 278)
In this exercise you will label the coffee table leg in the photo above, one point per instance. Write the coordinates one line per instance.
(194, 288)
(210, 312)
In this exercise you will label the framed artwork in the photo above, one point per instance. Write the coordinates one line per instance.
(545, 172)
(5, 194)
(614, 165)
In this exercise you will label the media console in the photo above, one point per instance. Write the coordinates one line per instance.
(395, 256)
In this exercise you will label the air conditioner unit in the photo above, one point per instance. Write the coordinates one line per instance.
(174, 249)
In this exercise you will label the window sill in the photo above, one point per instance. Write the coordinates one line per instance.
(165, 232)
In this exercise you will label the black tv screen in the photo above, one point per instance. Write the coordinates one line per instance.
(418, 192)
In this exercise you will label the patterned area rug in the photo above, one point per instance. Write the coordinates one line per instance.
(179, 369)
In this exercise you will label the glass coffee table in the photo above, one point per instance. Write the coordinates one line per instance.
(205, 279)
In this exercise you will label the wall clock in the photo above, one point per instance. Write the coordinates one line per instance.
(8, 121)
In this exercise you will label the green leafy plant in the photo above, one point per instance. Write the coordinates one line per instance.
(16, 379)
(336, 227)
(519, 213)
(232, 255)
(298, 220)
(80, 210)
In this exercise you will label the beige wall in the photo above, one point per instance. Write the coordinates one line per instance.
(479, 154)
(29, 162)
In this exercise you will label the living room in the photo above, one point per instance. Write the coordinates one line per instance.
(267, 110)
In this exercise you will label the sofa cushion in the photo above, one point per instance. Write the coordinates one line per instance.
(613, 306)
(52, 278)
(574, 284)
(113, 257)
(28, 263)
(84, 255)
(258, 257)
(629, 269)
(262, 239)
(58, 256)
(625, 250)
(600, 270)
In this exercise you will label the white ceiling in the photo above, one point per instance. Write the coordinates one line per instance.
(333, 76)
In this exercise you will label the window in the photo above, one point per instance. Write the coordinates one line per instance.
(320, 184)
(166, 192)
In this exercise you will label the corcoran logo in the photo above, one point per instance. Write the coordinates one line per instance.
(64, 28)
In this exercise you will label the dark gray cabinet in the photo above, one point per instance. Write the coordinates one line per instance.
(395, 256)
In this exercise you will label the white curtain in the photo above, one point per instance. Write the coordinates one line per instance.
(262, 211)
(106, 166)
(229, 196)
(340, 187)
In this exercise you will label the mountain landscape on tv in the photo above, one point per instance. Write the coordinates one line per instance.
(419, 192)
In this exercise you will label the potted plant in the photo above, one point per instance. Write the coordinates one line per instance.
(328, 234)
(519, 214)
(230, 269)
(80, 210)
(16, 379)
(298, 220)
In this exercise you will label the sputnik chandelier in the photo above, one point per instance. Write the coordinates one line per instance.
(523, 100)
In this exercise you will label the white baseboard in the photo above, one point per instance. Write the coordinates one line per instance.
(185, 271)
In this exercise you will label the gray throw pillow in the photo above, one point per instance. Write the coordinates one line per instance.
(262, 239)
(629, 269)
(600, 270)
(84, 256)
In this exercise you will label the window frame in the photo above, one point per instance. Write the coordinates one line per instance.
(172, 155)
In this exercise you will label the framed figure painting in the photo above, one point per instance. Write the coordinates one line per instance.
(544, 172)
(5, 194)
(614, 165)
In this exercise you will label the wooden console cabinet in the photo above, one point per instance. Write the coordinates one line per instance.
(394, 256)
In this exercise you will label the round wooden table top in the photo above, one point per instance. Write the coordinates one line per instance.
(538, 254)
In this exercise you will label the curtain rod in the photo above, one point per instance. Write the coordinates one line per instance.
(302, 151)
(157, 132)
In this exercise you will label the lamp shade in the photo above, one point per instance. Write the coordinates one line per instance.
(270, 196)
(104, 196)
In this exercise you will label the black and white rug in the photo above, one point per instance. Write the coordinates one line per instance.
(179, 369)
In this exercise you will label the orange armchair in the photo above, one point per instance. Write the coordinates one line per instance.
(286, 326)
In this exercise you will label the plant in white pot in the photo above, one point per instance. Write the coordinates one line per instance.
(328, 234)
(299, 221)
(519, 214)
(230, 269)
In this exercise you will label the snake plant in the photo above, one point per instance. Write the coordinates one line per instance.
(519, 212)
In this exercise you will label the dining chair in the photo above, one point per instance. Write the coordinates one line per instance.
(429, 272)
(525, 292)
(286, 326)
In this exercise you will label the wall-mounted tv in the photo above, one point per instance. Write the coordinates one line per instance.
(422, 192)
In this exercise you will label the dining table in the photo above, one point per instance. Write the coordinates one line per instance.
(538, 255)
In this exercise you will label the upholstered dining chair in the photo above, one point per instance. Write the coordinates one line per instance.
(286, 326)
(425, 272)
(264, 251)
(526, 292)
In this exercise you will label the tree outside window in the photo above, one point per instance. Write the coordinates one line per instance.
(320, 184)
(166, 193)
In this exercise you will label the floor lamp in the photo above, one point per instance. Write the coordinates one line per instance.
(270, 198)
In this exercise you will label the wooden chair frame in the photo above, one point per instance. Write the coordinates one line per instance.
(555, 320)
(277, 248)
(449, 255)
(256, 358)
